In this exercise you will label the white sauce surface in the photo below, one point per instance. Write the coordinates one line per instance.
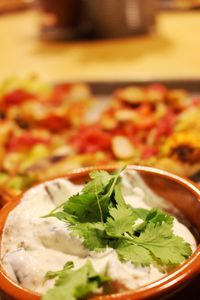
(32, 245)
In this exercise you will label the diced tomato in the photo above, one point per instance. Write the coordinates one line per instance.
(59, 92)
(130, 130)
(146, 125)
(145, 110)
(16, 97)
(55, 123)
(149, 151)
(25, 141)
(91, 139)
(165, 125)
(76, 111)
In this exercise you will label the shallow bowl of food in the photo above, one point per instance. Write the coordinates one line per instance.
(126, 234)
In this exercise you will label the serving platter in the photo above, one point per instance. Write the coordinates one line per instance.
(38, 120)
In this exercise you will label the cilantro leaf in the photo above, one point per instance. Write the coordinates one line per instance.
(52, 274)
(155, 215)
(60, 215)
(118, 195)
(137, 255)
(94, 235)
(141, 213)
(100, 179)
(91, 205)
(84, 207)
(75, 284)
(120, 221)
(160, 241)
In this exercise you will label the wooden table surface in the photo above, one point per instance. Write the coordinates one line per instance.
(173, 51)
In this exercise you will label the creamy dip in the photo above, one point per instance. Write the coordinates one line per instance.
(32, 246)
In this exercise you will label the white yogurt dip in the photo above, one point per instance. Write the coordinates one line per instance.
(32, 246)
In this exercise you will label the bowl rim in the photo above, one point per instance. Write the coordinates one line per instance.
(185, 272)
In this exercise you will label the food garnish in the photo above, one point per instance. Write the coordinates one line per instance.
(100, 216)
(74, 284)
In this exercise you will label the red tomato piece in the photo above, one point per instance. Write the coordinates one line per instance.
(59, 92)
(165, 125)
(145, 110)
(91, 139)
(149, 151)
(16, 97)
(55, 123)
(25, 141)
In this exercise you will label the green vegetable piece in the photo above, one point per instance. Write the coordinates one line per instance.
(20, 182)
(137, 255)
(84, 207)
(100, 215)
(155, 215)
(91, 205)
(121, 220)
(75, 284)
(51, 274)
(119, 198)
(141, 213)
(100, 179)
(3, 178)
(94, 235)
(160, 241)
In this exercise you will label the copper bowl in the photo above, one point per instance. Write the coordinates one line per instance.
(182, 193)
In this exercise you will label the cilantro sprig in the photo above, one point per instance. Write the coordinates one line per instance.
(74, 284)
(100, 215)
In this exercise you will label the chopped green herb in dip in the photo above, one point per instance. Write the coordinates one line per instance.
(114, 228)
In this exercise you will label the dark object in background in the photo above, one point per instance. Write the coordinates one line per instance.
(62, 19)
(75, 19)
(119, 18)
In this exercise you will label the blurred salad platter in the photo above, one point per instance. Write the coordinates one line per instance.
(47, 129)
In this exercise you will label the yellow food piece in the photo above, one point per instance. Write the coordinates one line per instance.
(125, 115)
(180, 138)
(189, 120)
(131, 94)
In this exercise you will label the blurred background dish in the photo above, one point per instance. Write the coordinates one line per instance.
(78, 19)
(69, 19)
(61, 19)
(120, 18)
(47, 130)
